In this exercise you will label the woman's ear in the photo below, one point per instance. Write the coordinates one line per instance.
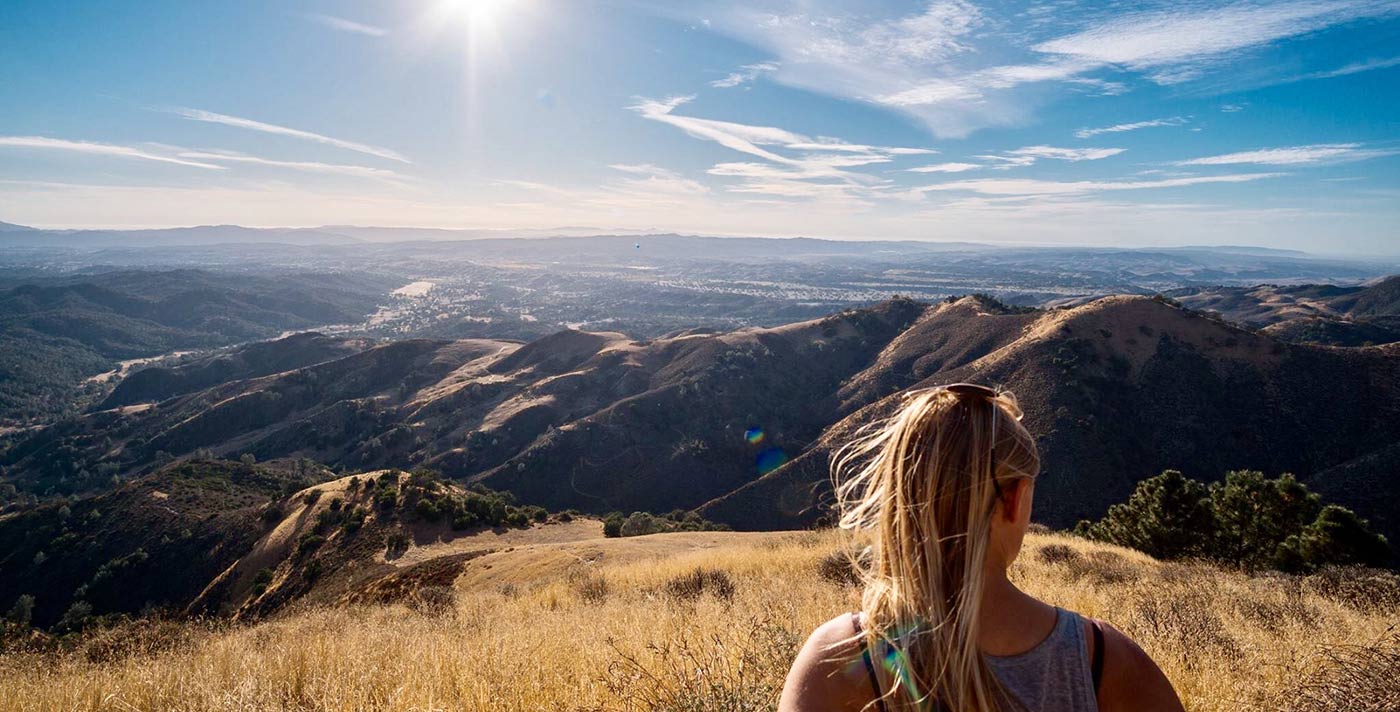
(1016, 500)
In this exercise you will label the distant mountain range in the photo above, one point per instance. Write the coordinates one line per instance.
(57, 333)
(1311, 313)
(208, 235)
(739, 425)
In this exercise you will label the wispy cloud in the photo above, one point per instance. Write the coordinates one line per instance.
(1233, 108)
(746, 74)
(945, 63)
(1293, 155)
(1176, 45)
(739, 137)
(991, 186)
(101, 149)
(797, 165)
(1134, 126)
(946, 168)
(251, 125)
(1030, 154)
(1353, 68)
(310, 166)
(344, 25)
(830, 144)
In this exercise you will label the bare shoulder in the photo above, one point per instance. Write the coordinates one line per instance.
(828, 673)
(1131, 678)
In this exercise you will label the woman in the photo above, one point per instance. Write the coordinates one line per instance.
(944, 490)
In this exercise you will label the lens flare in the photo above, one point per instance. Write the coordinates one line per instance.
(770, 459)
(754, 436)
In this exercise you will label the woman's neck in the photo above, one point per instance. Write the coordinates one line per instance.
(1011, 622)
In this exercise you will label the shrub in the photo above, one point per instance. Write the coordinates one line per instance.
(387, 498)
(354, 520)
(1185, 622)
(434, 601)
(641, 523)
(23, 611)
(1100, 568)
(75, 618)
(733, 672)
(840, 568)
(396, 544)
(1058, 554)
(1346, 678)
(690, 586)
(272, 514)
(309, 542)
(1361, 588)
(592, 588)
(427, 508)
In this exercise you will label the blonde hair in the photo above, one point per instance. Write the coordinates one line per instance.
(921, 487)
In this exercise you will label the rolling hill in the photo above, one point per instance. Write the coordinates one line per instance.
(1116, 390)
(58, 333)
(1311, 313)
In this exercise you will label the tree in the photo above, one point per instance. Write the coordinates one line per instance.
(1168, 516)
(75, 617)
(23, 610)
(1256, 515)
(1336, 537)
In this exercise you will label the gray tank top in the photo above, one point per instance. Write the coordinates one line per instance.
(1054, 676)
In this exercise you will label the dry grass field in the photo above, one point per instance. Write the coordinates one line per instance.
(703, 621)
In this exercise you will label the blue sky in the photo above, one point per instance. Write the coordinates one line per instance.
(1058, 122)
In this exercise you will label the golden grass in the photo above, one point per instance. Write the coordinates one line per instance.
(606, 635)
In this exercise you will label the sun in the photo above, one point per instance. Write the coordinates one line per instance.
(475, 11)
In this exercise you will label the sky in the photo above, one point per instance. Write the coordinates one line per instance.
(1053, 122)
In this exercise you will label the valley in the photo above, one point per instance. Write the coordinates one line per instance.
(391, 443)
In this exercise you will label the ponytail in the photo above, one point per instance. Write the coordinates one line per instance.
(921, 488)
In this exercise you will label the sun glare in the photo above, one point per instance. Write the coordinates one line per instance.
(475, 11)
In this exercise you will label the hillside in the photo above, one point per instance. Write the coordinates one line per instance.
(263, 358)
(1312, 313)
(1123, 387)
(210, 537)
(57, 334)
(695, 621)
(151, 543)
(1116, 390)
(577, 406)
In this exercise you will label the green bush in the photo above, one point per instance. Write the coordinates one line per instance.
(23, 610)
(309, 542)
(1246, 519)
(640, 523)
(612, 524)
(427, 508)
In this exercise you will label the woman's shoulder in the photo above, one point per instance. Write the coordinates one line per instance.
(829, 673)
(1131, 678)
